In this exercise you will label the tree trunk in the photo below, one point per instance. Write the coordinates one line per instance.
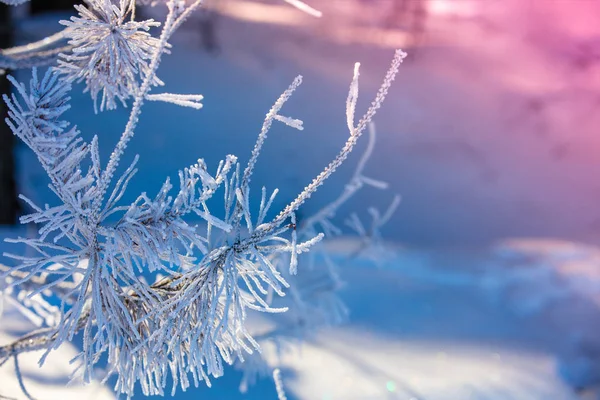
(8, 190)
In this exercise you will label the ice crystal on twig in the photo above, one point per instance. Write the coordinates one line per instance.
(110, 52)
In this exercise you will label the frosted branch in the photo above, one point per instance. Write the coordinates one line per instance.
(302, 6)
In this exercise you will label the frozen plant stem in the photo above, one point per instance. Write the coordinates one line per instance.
(279, 384)
(355, 133)
(171, 24)
(20, 378)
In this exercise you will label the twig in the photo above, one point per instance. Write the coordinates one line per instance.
(279, 384)
(20, 378)
(34, 341)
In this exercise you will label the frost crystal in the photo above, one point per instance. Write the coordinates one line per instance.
(110, 52)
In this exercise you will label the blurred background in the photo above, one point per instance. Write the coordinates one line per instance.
(489, 283)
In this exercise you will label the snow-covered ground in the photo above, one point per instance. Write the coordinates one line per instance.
(49, 381)
(425, 324)
(488, 134)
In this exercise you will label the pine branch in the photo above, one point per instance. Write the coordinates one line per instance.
(192, 321)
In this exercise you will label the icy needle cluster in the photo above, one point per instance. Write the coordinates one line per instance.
(110, 52)
(95, 254)
(108, 25)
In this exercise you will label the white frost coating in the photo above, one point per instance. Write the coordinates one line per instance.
(279, 384)
(294, 123)
(91, 252)
(294, 254)
(302, 6)
(110, 52)
(184, 100)
(352, 99)
(355, 134)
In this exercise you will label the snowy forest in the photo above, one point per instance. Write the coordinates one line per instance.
(311, 200)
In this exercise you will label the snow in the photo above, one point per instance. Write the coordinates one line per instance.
(489, 133)
(423, 326)
(51, 380)
(419, 328)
